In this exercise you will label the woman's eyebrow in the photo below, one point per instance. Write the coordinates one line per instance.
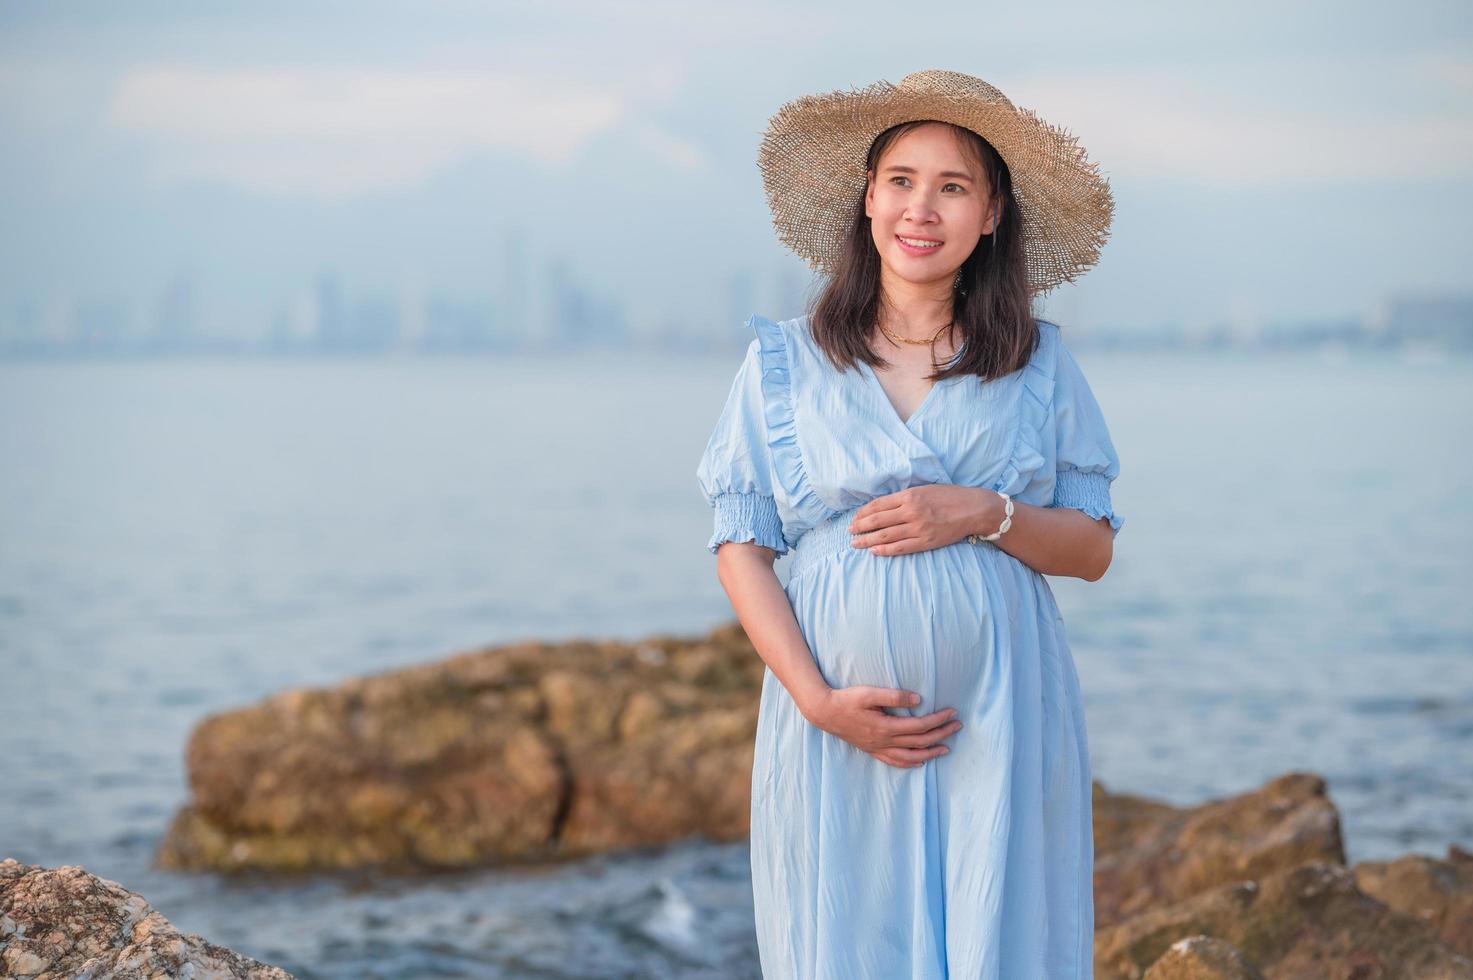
(911, 170)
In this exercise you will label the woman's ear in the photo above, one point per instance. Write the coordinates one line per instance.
(869, 193)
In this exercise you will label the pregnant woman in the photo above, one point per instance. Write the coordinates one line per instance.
(929, 450)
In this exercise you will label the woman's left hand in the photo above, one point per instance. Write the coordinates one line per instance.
(920, 518)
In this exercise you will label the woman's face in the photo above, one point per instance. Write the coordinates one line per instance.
(925, 189)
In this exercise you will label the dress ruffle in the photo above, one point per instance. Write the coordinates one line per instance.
(782, 431)
(1034, 404)
(1028, 456)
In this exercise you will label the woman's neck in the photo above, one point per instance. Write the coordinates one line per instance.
(914, 310)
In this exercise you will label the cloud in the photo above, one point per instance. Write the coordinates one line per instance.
(1238, 130)
(1449, 71)
(677, 153)
(336, 132)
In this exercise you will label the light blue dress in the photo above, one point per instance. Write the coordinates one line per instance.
(979, 863)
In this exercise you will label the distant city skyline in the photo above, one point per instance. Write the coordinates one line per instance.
(461, 169)
(549, 305)
(333, 318)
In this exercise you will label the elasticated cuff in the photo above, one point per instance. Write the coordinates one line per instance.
(744, 517)
(1086, 491)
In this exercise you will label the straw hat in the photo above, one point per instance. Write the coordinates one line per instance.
(812, 162)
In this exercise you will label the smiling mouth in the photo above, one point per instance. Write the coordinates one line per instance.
(918, 246)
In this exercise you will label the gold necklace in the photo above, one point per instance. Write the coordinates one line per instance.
(907, 340)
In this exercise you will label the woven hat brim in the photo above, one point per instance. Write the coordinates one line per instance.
(812, 162)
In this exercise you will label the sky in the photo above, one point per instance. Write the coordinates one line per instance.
(1270, 161)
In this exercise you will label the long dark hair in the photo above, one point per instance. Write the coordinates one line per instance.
(991, 305)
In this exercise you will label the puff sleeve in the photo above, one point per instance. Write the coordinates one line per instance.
(1086, 460)
(735, 471)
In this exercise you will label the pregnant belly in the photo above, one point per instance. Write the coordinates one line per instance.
(925, 622)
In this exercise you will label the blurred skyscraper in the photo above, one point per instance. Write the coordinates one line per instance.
(742, 301)
(101, 326)
(790, 288)
(1440, 318)
(580, 316)
(175, 324)
(515, 267)
(331, 321)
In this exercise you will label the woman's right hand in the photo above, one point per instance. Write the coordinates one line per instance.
(856, 714)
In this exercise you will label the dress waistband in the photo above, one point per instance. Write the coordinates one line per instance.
(830, 538)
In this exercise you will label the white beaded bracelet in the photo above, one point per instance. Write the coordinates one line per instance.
(1007, 522)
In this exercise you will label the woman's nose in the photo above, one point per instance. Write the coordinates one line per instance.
(920, 212)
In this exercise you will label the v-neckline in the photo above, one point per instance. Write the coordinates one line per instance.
(889, 405)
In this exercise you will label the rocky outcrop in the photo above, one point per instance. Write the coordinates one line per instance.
(1148, 854)
(532, 751)
(65, 924)
(1308, 921)
(1202, 958)
(541, 751)
(1438, 892)
(1256, 885)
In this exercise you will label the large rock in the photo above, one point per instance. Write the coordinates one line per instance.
(1202, 958)
(1438, 892)
(65, 924)
(1307, 922)
(522, 752)
(1149, 854)
(1257, 883)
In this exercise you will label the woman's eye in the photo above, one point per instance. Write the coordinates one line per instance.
(898, 177)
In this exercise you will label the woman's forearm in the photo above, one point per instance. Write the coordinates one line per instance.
(746, 573)
(1050, 540)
